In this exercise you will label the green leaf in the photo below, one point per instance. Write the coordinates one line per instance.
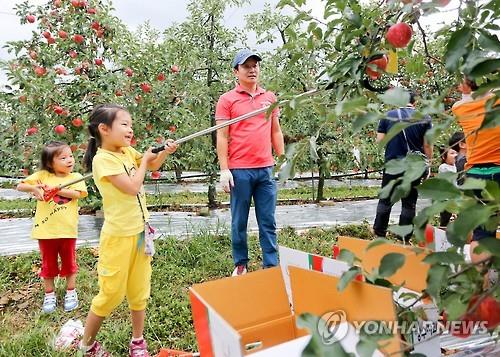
(485, 67)
(438, 189)
(457, 47)
(491, 244)
(361, 121)
(489, 41)
(313, 149)
(348, 106)
(401, 231)
(385, 192)
(395, 166)
(492, 118)
(444, 257)
(347, 277)
(436, 279)
(376, 242)
(395, 96)
(365, 348)
(347, 256)
(395, 130)
(320, 335)
(468, 219)
(471, 183)
(390, 263)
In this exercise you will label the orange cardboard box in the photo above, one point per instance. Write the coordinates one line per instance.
(240, 315)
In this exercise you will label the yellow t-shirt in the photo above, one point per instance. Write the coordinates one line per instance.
(59, 217)
(122, 212)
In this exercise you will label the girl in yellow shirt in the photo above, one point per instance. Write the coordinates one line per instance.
(55, 225)
(124, 267)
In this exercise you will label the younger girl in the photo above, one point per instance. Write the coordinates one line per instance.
(447, 165)
(56, 222)
(124, 267)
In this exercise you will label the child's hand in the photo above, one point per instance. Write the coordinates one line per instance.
(170, 146)
(37, 191)
(149, 156)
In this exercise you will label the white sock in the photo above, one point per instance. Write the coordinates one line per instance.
(84, 348)
(138, 339)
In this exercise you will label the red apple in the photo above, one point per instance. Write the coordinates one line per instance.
(91, 11)
(489, 311)
(51, 40)
(159, 140)
(57, 3)
(75, 3)
(155, 175)
(149, 126)
(40, 71)
(380, 63)
(83, 4)
(22, 99)
(58, 110)
(46, 34)
(161, 76)
(33, 55)
(77, 122)
(118, 93)
(30, 18)
(399, 35)
(129, 72)
(60, 129)
(73, 147)
(95, 25)
(73, 54)
(100, 33)
(98, 61)
(78, 38)
(61, 71)
(31, 131)
(174, 69)
(172, 128)
(62, 34)
(146, 88)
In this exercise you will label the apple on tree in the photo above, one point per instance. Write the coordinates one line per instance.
(31, 131)
(60, 129)
(40, 71)
(380, 63)
(98, 61)
(78, 38)
(77, 122)
(155, 175)
(174, 69)
(30, 18)
(62, 34)
(146, 88)
(161, 76)
(399, 35)
(129, 72)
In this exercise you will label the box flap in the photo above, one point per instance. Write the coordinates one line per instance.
(317, 293)
(413, 273)
(247, 300)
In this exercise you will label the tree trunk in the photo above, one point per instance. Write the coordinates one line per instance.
(212, 170)
(321, 181)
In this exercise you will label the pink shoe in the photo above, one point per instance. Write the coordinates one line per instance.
(96, 351)
(138, 349)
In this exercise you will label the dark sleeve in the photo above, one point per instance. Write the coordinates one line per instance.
(382, 126)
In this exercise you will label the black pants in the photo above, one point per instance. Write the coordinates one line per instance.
(384, 207)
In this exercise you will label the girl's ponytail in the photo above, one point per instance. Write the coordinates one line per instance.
(101, 114)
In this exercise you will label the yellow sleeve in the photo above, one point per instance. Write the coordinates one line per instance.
(136, 155)
(106, 165)
(35, 178)
(80, 186)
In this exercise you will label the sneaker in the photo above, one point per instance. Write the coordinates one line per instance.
(70, 300)
(49, 303)
(95, 351)
(138, 349)
(239, 270)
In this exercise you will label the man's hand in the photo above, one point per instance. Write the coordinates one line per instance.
(226, 180)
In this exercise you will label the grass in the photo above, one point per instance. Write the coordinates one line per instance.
(177, 265)
(24, 208)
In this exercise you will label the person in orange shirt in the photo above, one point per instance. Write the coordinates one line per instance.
(483, 147)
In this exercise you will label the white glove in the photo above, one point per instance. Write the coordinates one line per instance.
(226, 180)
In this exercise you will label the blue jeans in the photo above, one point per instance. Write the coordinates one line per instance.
(259, 184)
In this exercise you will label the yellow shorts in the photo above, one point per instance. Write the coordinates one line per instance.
(123, 270)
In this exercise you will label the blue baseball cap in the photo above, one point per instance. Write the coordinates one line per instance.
(243, 55)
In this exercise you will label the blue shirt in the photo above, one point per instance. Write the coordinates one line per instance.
(396, 147)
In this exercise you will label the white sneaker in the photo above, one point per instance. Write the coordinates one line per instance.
(239, 270)
(70, 300)
(49, 303)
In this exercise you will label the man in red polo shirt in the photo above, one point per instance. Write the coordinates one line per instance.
(246, 159)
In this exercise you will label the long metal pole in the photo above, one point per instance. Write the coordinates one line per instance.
(235, 120)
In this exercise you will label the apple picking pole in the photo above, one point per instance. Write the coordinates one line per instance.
(48, 195)
(233, 121)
